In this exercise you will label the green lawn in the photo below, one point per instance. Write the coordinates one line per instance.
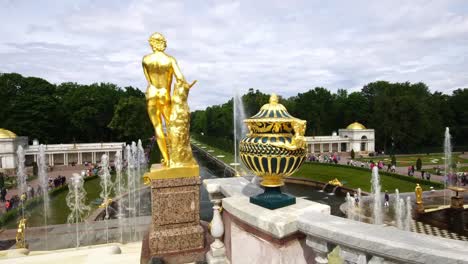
(357, 178)
(228, 157)
(408, 160)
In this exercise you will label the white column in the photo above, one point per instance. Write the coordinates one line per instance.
(35, 157)
(93, 157)
(217, 252)
(321, 148)
(80, 158)
(313, 148)
(320, 248)
(339, 146)
(330, 147)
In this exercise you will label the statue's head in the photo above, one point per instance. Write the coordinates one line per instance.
(157, 42)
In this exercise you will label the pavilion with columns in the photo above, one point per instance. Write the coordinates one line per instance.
(355, 136)
(56, 154)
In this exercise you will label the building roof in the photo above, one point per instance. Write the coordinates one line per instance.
(4, 133)
(356, 126)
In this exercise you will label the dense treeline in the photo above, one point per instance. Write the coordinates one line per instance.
(407, 114)
(71, 112)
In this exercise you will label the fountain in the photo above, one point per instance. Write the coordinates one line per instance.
(131, 192)
(377, 199)
(21, 177)
(350, 206)
(141, 168)
(76, 201)
(240, 130)
(44, 183)
(119, 191)
(398, 210)
(106, 185)
(409, 216)
(448, 158)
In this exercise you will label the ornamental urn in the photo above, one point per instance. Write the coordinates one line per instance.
(274, 148)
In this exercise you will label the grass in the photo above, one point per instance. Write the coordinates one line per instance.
(58, 209)
(408, 160)
(228, 157)
(360, 178)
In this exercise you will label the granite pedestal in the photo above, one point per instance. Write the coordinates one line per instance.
(175, 226)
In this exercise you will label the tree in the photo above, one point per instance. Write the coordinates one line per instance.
(130, 119)
(418, 164)
(393, 160)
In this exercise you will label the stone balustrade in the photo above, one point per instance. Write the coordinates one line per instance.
(307, 233)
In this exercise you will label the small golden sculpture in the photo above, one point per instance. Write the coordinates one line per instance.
(105, 203)
(335, 182)
(418, 192)
(21, 234)
(172, 110)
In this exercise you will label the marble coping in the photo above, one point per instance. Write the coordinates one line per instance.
(232, 186)
(278, 223)
(384, 241)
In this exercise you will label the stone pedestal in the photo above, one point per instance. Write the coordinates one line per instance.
(419, 208)
(175, 223)
(456, 202)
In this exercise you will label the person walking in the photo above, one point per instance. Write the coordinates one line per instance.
(7, 205)
(387, 199)
(3, 194)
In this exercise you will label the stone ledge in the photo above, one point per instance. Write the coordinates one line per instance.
(234, 186)
(280, 222)
(384, 241)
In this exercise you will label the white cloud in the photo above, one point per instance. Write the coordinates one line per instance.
(276, 46)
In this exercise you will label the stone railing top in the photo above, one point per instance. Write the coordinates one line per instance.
(279, 222)
(384, 241)
(233, 186)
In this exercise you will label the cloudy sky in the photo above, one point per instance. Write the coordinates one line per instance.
(275, 46)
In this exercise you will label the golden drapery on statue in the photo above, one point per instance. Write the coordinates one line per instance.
(168, 109)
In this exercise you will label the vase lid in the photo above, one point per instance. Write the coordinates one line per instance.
(272, 112)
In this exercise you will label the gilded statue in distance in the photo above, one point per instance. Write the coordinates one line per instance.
(21, 234)
(418, 192)
(172, 110)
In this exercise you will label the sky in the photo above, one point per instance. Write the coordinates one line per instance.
(287, 47)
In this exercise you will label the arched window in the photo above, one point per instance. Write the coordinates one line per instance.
(364, 138)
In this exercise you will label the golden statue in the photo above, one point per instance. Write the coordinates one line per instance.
(21, 234)
(172, 110)
(418, 192)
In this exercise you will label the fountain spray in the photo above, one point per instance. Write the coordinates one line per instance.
(21, 177)
(130, 190)
(76, 201)
(141, 168)
(119, 191)
(106, 185)
(359, 194)
(447, 154)
(136, 198)
(398, 210)
(44, 182)
(409, 212)
(239, 131)
(350, 206)
(377, 199)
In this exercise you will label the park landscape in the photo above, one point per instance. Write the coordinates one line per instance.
(154, 166)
